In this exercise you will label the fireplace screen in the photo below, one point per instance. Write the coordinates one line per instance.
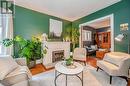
(57, 55)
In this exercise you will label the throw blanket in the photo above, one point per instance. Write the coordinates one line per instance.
(20, 70)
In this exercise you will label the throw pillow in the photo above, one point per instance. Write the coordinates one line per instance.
(89, 48)
(94, 47)
(7, 64)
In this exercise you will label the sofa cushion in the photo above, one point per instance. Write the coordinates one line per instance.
(7, 64)
(114, 58)
(88, 48)
(1, 84)
(22, 83)
(111, 69)
(19, 76)
(94, 47)
(20, 70)
(9, 81)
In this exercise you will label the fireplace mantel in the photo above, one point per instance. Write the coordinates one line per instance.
(55, 46)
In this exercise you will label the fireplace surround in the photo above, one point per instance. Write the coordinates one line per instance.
(55, 47)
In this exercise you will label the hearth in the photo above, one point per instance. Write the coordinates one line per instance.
(57, 55)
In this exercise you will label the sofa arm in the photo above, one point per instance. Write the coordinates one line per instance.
(21, 61)
(124, 67)
(129, 73)
(1, 84)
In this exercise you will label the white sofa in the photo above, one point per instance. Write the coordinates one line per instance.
(13, 74)
(115, 64)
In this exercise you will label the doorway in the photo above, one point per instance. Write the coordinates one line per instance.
(98, 32)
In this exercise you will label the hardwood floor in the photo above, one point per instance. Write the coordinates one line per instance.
(92, 61)
(39, 68)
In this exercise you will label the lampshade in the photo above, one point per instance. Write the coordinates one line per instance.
(119, 37)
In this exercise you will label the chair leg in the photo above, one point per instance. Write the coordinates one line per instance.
(110, 79)
(126, 78)
(84, 63)
(87, 59)
(97, 68)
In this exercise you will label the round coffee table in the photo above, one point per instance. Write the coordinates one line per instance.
(74, 69)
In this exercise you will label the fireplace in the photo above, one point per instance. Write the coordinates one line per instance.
(54, 47)
(57, 55)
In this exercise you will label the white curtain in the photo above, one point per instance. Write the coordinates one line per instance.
(7, 32)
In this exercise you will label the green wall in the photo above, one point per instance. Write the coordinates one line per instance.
(28, 23)
(121, 11)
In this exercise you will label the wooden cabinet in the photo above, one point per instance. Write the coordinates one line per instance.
(104, 40)
(100, 54)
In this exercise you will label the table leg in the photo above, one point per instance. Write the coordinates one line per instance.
(82, 78)
(66, 80)
(55, 77)
(55, 73)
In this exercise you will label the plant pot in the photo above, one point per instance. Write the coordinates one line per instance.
(31, 64)
(69, 61)
(21, 61)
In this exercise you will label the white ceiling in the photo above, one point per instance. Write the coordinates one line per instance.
(66, 9)
(100, 24)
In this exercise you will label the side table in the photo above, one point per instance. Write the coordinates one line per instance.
(61, 68)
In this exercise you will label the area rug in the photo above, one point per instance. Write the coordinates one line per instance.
(91, 78)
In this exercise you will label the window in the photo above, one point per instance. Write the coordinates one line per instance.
(6, 31)
(87, 35)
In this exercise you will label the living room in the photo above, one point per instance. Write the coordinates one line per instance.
(46, 43)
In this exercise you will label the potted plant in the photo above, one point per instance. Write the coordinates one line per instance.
(75, 37)
(30, 49)
(66, 34)
(69, 61)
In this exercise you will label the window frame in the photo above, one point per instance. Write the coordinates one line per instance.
(87, 35)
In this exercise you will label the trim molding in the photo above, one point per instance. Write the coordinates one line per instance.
(111, 16)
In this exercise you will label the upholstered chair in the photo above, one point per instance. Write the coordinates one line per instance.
(79, 54)
(115, 64)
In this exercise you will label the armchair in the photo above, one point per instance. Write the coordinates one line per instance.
(115, 64)
(80, 55)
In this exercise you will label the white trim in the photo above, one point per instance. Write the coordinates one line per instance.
(112, 31)
(111, 16)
